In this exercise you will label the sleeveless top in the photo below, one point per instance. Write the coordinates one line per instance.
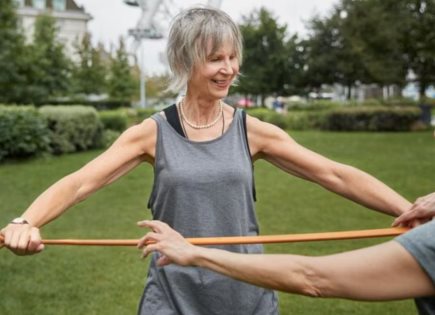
(204, 189)
(419, 242)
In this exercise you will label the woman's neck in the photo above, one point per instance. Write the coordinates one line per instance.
(200, 110)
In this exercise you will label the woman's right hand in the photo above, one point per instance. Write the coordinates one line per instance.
(423, 209)
(22, 239)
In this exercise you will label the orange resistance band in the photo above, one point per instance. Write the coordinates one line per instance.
(230, 240)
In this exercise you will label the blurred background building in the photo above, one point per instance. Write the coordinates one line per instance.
(71, 19)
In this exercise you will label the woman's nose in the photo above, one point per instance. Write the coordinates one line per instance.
(227, 67)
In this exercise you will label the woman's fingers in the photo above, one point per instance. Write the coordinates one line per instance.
(22, 239)
(35, 243)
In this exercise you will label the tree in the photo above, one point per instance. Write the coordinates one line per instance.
(50, 67)
(333, 56)
(264, 66)
(295, 52)
(417, 26)
(121, 83)
(156, 86)
(89, 74)
(373, 41)
(372, 27)
(321, 53)
(12, 55)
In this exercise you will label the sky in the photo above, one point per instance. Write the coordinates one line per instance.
(113, 18)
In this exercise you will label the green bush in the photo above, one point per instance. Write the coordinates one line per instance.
(73, 128)
(109, 136)
(259, 112)
(23, 132)
(99, 105)
(114, 120)
(302, 120)
(313, 105)
(143, 113)
(294, 119)
(371, 119)
(399, 102)
(276, 119)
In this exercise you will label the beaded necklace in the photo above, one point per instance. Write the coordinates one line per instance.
(206, 126)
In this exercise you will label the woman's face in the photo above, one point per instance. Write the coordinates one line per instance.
(212, 79)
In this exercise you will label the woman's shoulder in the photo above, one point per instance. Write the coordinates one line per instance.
(261, 128)
(143, 134)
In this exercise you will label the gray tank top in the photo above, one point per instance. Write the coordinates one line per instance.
(204, 189)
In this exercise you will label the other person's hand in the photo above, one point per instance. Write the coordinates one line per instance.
(172, 246)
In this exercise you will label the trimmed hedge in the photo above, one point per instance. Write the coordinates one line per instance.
(109, 137)
(305, 120)
(23, 132)
(26, 131)
(313, 105)
(114, 120)
(73, 128)
(371, 119)
(99, 105)
(143, 113)
(362, 118)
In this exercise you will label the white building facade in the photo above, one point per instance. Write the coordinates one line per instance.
(71, 20)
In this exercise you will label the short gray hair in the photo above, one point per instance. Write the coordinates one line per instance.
(190, 33)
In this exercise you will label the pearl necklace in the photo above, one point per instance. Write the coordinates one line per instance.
(206, 126)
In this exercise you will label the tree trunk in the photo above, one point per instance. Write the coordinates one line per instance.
(263, 98)
(349, 91)
(422, 91)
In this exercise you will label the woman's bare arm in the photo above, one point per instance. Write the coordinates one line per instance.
(135, 145)
(276, 146)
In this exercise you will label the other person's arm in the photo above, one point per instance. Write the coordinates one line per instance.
(381, 272)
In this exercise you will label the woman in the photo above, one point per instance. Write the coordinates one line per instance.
(398, 269)
(202, 154)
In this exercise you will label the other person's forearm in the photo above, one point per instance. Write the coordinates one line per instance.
(288, 273)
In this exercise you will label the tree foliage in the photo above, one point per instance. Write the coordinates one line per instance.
(121, 82)
(417, 21)
(365, 41)
(373, 41)
(50, 66)
(90, 72)
(12, 55)
(264, 68)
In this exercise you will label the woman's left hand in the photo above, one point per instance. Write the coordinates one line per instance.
(172, 246)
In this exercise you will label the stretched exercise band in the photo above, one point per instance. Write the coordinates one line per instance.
(231, 240)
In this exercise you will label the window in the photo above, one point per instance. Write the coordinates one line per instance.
(39, 4)
(59, 5)
(20, 3)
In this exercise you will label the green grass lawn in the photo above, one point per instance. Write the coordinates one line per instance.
(91, 280)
